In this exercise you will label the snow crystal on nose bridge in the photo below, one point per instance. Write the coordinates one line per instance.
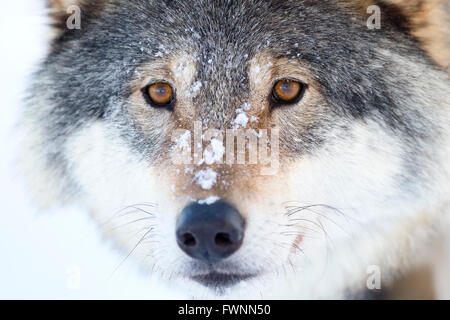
(206, 178)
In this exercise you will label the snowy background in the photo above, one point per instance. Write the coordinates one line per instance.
(48, 255)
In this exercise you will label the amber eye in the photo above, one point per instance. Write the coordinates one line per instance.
(159, 95)
(287, 91)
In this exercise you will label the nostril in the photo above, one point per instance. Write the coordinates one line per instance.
(189, 240)
(222, 239)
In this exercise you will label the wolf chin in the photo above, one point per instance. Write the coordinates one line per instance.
(364, 151)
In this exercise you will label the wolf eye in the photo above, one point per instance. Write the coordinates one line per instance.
(287, 91)
(159, 95)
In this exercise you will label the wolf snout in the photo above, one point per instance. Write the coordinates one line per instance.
(210, 232)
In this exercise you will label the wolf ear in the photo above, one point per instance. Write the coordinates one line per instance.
(62, 5)
(429, 22)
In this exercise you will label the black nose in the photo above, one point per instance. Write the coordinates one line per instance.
(210, 232)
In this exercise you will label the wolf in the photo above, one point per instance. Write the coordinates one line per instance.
(358, 118)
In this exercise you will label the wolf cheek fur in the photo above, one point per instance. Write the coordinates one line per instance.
(364, 176)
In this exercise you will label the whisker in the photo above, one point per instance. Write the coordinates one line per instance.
(308, 221)
(293, 233)
(139, 231)
(120, 214)
(131, 252)
(293, 210)
(142, 210)
(299, 225)
(128, 223)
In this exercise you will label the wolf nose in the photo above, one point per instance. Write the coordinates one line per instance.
(210, 232)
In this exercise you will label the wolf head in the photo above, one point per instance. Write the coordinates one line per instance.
(246, 148)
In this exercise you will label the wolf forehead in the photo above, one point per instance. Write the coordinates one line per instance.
(221, 35)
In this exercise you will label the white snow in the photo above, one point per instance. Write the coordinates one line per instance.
(215, 153)
(206, 178)
(209, 200)
(254, 119)
(195, 88)
(241, 119)
(246, 106)
(179, 70)
(184, 140)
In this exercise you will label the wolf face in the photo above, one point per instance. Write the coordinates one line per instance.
(356, 121)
